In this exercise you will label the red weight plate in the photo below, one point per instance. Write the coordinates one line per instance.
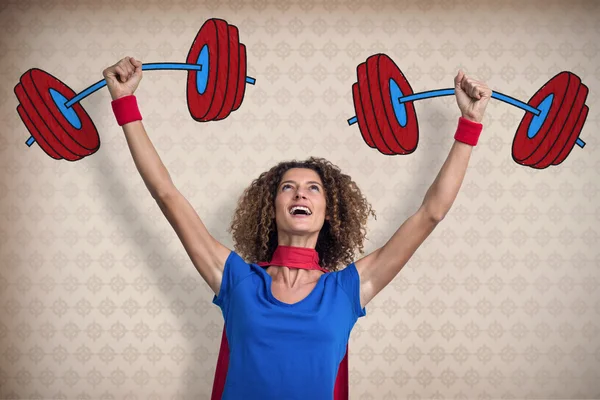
(563, 87)
(24, 111)
(566, 133)
(241, 87)
(369, 109)
(561, 126)
(360, 116)
(381, 72)
(54, 145)
(233, 74)
(36, 134)
(574, 136)
(222, 73)
(81, 141)
(205, 106)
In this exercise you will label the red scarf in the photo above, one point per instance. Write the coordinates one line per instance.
(294, 257)
(291, 257)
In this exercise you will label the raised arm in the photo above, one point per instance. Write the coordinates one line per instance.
(206, 253)
(379, 268)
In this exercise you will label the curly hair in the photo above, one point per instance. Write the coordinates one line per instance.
(254, 228)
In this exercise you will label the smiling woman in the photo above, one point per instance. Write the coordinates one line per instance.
(336, 229)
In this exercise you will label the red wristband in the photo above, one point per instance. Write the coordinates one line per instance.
(126, 110)
(468, 131)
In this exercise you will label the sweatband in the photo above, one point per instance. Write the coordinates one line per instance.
(468, 131)
(126, 110)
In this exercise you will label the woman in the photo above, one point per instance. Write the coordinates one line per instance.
(288, 324)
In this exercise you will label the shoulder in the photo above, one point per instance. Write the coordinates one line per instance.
(238, 266)
(347, 274)
(235, 271)
(349, 280)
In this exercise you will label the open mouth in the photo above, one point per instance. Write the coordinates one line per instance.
(299, 211)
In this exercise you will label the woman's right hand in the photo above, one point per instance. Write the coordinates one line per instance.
(123, 78)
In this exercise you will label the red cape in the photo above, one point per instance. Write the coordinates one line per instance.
(340, 391)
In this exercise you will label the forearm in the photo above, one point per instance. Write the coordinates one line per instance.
(146, 159)
(443, 191)
(122, 79)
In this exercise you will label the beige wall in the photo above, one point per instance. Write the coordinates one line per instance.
(99, 300)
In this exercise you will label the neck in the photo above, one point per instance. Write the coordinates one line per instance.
(287, 261)
(309, 242)
(292, 278)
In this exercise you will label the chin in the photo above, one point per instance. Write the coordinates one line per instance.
(299, 228)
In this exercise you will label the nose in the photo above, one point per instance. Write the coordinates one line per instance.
(299, 194)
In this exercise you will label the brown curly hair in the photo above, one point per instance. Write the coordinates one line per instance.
(254, 227)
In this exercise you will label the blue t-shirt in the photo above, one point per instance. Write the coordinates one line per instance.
(285, 351)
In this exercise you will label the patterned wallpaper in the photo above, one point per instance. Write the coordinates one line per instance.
(99, 300)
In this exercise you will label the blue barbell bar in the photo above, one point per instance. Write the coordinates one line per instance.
(145, 67)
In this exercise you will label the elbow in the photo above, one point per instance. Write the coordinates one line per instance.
(435, 214)
(437, 218)
(164, 193)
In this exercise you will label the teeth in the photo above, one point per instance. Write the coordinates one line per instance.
(293, 209)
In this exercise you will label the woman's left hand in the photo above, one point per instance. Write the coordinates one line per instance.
(472, 96)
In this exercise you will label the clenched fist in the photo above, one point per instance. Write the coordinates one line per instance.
(123, 78)
(472, 96)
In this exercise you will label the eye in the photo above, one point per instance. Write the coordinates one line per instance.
(287, 185)
(315, 187)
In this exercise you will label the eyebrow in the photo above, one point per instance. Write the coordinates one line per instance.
(289, 181)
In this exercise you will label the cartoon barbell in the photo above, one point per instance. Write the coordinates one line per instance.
(216, 83)
(384, 110)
